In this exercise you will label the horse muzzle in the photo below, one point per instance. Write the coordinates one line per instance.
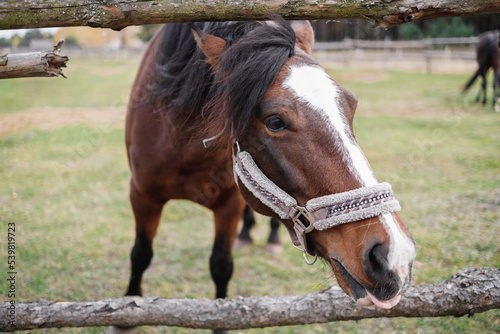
(384, 286)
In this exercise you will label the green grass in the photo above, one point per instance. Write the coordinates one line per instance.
(65, 186)
(90, 83)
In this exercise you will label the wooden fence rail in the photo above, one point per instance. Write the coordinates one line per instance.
(470, 291)
(426, 43)
(33, 64)
(425, 50)
(117, 14)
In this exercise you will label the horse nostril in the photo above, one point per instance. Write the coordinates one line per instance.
(378, 257)
(376, 264)
(385, 281)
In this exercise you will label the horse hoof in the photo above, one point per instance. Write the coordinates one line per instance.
(122, 330)
(273, 249)
(241, 243)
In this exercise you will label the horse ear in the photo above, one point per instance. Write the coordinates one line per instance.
(304, 35)
(212, 46)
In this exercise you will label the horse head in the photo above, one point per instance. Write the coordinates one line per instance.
(290, 128)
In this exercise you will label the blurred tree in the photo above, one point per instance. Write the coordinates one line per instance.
(450, 27)
(484, 22)
(33, 34)
(5, 43)
(15, 41)
(147, 31)
(410, 31)
(71, 41)
(30, 34)
(328, 30)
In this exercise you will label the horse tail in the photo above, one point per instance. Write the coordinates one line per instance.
(471, 81)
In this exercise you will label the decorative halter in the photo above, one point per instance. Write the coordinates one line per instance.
(321, 212)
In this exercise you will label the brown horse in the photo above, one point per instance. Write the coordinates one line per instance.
(487, 56)
(278, 135)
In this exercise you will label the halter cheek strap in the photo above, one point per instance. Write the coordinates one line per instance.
(321, 212)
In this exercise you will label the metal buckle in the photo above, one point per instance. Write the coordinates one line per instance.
(301, 211)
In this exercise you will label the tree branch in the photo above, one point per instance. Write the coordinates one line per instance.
(470, 291)
(33, 64)
(117, 14)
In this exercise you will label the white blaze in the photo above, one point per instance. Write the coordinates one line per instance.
(313, 86)
(402, 250)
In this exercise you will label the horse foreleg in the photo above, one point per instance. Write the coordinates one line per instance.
(147, 213)
(226, 218)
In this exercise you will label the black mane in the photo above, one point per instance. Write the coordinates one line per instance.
(189, 88)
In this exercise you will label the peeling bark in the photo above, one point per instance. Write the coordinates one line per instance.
(470, 291)
(117, 14)
(33, 64)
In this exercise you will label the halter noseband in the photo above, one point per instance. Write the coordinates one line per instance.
(321, 212)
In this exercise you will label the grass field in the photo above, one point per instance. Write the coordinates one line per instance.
(64, 178)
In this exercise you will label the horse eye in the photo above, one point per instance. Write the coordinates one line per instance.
(275, 124)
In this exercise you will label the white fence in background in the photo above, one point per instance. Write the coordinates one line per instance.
(458, 54)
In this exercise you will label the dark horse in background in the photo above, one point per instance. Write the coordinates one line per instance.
(487, 56)
(281, 133)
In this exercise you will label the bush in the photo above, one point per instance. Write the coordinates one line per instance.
(410, 31)
(147, 31)
(5, 43)
(71, 41)
(450, 27)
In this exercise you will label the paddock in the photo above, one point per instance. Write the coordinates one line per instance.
(74, 228)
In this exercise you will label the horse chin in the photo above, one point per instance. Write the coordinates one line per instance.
(358, 293)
